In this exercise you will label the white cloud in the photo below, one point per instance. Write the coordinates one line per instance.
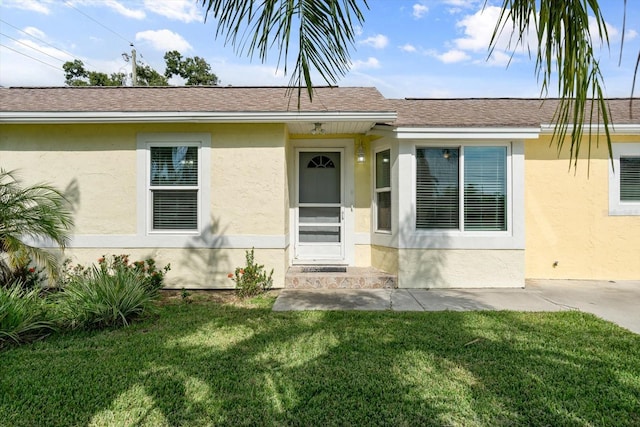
(377, 42)
(124, 11)
(28, 63)
(461, 3)
(453, 56)
(43, 52)
(630, 35)
(39, 6)
(612, 31)
(35, 32)
(180, 10)
(419, 10)
(370, 63)
(499, 58)
(18, 70)
(408, 48)
(478, 30)
(232, 73)
(164, 40)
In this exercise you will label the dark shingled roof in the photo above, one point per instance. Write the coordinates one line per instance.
(494, 112)
(190, 99)
(469, 112)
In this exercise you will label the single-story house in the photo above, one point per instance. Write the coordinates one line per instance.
(433, 192)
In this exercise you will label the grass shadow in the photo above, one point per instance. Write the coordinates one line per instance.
(204, 363)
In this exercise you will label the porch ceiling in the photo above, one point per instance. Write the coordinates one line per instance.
(330, 128)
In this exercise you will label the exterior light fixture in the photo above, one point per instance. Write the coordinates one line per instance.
(446, 154)
(317, 129)
(360, 157)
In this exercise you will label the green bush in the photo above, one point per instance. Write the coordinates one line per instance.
(101, 297)
(252, 279)
(147, 271)
(22, 315)
(27, 276)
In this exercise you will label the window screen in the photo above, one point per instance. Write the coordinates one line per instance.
(630, 179)
(174, 187)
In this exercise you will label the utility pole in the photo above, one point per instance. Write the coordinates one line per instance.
(133, 66)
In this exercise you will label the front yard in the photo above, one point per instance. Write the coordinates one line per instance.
(213, 363)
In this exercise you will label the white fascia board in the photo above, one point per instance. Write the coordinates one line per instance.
(191, 117)
(465, 133)
(623, 129)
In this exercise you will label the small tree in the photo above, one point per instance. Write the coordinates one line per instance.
(76, 75)
(36, 212)
(196, 70)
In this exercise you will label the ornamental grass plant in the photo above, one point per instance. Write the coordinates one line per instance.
(23, 315)
(100, 298)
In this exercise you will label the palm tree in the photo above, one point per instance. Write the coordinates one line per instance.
(30, 213)
(324, 32)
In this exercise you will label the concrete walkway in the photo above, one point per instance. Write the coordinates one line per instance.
(617, 302)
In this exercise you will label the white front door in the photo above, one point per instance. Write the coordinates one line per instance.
(319, 225)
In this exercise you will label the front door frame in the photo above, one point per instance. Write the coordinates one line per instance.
(346, 147)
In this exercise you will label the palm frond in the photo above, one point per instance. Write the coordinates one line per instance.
(32, 213)
(323, 29)
(566, 51)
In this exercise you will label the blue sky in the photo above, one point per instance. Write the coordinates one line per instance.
(418, 48)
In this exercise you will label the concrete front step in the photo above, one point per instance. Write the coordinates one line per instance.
(319, 277)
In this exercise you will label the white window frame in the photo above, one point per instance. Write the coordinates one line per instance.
(145, 203)
(410, 237)
(461, 183)
(616, 206)
(376, 191)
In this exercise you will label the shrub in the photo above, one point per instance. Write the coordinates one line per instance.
(147, 271)
(100, 298)
(251, 279)
(22, 315)
(27, 275)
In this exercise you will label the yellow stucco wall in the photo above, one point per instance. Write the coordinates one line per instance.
(567, 220)
(97, 165)
(460, 268)
(384, 258)
(249, 179)
(362, 187)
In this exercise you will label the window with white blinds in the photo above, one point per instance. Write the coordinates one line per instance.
(485, 188)
(174, 187)
(624, 179)
(630, 179)
(383, 190)
(461, 188)
(437, 188)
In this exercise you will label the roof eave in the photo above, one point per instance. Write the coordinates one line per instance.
(624, 129)
(50, 117)
(416, 132)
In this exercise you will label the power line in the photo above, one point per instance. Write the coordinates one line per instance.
(31, 47)
(110, 30)
(99, 23)
(28, 56)
(45, 42)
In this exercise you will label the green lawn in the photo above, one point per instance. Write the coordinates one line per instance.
(207, 363)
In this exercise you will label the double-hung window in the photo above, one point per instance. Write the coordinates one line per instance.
(624, 180)
(462, 188)
(383, 190)
(174, 186)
